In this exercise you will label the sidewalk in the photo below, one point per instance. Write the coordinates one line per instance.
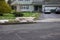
(49, 20)
(37, 21)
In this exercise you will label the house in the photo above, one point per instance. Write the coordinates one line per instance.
(50, 4)
(27, 5)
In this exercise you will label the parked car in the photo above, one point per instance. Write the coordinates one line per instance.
(58, 10)
(53, 10)
(48, 10)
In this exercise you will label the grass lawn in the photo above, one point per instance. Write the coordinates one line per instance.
(7, 16)
(36, 15)
(25, 14)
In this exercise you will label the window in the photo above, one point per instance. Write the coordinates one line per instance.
(13, 0)
(24, 7)
(27, 7)
(27, 0)
(20, 0)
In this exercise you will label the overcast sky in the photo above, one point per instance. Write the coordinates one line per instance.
(6, 0)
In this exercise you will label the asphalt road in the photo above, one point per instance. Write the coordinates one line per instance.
(37, 31)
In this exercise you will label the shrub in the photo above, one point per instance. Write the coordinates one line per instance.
(18, 14)
(1, 14)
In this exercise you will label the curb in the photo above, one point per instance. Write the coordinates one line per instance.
(36, 21)
(17, 23)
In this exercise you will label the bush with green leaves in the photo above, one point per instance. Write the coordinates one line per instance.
(4, 7)
(18, 14)
(27, 14)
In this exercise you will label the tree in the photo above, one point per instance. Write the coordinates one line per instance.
(4, 7)
(9, 2)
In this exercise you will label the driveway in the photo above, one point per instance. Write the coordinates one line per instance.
(52, 15)
(36, 31)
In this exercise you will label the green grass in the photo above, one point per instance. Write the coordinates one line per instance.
(7, 16)
(36, 15)
(25, 14)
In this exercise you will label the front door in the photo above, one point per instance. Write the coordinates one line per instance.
(37, 8)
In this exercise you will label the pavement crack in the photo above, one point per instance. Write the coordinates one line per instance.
(19, 37)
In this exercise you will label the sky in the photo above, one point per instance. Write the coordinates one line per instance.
(6, 0)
